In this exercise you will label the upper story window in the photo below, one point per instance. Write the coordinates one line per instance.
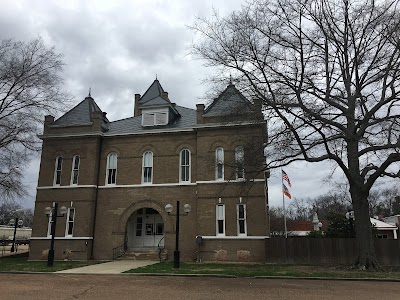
(154, 118)
(111, 175)
(219, 164)
(147, 167)
(58, 170)
(70, 221)
(75, 169)
(184, 172)
(239, 160)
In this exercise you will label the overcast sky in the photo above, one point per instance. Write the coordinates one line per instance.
(117, 48)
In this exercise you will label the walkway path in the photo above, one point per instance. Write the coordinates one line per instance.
(113, 267)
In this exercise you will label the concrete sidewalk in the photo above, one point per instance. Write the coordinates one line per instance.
(113, 267)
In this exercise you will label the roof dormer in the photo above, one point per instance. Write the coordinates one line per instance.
(155, 107)
(155, 117)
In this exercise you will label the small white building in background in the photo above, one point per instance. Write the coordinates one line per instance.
(385, 230)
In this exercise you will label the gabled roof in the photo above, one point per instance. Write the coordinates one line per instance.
(81, 114)
(229, 102)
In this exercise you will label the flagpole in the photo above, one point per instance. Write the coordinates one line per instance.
(284, 209)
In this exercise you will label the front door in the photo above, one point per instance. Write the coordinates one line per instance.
(148, 229)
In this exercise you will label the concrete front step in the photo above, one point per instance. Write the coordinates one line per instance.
(140, 256)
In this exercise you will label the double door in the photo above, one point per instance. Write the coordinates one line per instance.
(148, 230)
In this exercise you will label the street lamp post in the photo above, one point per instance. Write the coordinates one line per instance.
(16, 224)
(52, 212)
(169, 208)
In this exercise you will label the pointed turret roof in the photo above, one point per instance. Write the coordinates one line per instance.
(153, 95)
(229, 102)
(81, 114)
(156, 96)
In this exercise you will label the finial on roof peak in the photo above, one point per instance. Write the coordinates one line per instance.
(230, 79)
(156, 76)
(90, 90)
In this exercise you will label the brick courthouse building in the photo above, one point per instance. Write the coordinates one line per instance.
(116, 178)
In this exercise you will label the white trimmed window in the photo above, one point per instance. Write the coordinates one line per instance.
(70, 221)
(49, 223)
(147, 177)
(239, 159)
(241, 219)
(154, 118)
(184, 170)
(58, 170)
(75, 170)
(111, 175)
(220, 209)
(219, 163)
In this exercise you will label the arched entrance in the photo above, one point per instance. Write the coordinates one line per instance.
(145, 229)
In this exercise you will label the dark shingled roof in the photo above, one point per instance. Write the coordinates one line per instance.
(229, 102)
(152, 92)
(153, 97)
(81, 114)
(134, 125)
(158, 101)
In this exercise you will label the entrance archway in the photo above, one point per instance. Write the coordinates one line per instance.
(145, 229)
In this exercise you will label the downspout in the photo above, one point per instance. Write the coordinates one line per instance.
(96, 195)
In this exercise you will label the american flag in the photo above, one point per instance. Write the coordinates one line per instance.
(286, 191)
(285, 177)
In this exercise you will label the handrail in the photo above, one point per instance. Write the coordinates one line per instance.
(160, 248)
(120, 250)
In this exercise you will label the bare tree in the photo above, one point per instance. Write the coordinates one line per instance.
(30, 87)
(328, 72)
(11, 210)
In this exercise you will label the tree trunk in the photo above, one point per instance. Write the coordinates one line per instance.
(366, 259)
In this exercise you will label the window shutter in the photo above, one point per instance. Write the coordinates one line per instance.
(161, 119)
(148, 119)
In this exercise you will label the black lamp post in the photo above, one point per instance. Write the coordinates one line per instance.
(16, 224)
(168, 209)
(52, 212)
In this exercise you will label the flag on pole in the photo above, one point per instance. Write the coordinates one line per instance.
(286, 191)
(285, 177)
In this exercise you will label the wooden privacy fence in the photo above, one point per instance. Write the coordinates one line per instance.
(303, 250)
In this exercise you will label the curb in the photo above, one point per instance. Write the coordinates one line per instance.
(207, 275)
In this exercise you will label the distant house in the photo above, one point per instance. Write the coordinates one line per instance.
(304, 227)
(116, 178)
(385, 230)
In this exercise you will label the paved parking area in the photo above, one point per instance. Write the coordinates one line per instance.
(5, 250)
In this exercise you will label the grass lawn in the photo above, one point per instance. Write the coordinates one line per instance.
(251, 270)
(20, 263)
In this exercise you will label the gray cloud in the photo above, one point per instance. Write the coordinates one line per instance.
(117, 48)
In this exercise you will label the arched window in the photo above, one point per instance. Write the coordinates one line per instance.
(239, 160)
(184, 171)
(147, 167)
(219, 164)
(58, 170)
(111, 175)
(75, 170)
